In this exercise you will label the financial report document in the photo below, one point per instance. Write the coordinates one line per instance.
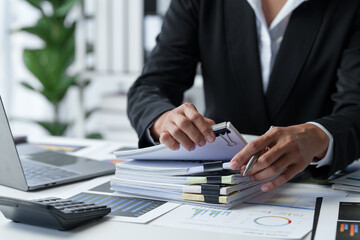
(245, 219)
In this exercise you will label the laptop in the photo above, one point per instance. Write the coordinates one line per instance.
(27, 167)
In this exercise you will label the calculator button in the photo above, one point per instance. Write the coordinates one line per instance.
(66, 210)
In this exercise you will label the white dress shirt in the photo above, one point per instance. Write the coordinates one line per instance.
(269, 39)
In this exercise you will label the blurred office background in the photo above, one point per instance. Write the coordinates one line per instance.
(112, 41)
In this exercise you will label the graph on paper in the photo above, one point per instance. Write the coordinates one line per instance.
(210, 212)
(272, 221)
(348, 221)
(120, 206)
(246, 220)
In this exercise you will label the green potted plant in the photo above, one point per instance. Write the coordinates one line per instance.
(50, 63)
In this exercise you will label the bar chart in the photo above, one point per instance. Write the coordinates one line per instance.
(209, 212)
(347, 230)
(348, 221)
(120, 206)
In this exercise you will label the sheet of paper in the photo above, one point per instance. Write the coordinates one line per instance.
(95, 149)
(225, 147)
(125, 209)
(339, 219)
(302, 196)
(169, 168)
(352, 179)
(246, 220)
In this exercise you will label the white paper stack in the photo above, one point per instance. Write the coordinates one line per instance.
(170, 180)
(348, 182)
(200, 176)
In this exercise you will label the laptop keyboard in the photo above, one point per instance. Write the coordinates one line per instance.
(40, 173)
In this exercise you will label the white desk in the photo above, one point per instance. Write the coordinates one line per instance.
(105, 229)
(97, 230)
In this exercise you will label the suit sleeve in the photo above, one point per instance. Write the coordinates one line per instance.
(344, 122)
(170, 70)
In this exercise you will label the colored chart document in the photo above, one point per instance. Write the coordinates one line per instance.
(59, 147)
(348, 221)
(246, 219)
(339, 219)
(123, 208)
(120, 206)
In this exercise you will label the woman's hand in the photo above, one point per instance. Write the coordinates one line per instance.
(290, 150)
(183, 125)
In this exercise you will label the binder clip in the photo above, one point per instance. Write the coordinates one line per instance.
(210, 189)
(224, 134)
(222, 131)
(213, 166)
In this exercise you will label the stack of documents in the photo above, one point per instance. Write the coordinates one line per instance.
(200, 176)
(170, 180)
(348, 182)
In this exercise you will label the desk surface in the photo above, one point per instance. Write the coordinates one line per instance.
(101, 228)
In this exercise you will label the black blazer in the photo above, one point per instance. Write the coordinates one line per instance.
(316, 75)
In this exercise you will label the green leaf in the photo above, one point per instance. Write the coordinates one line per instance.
(94, 136)
(63, 9)
(33, 60)
(28, 86)
(35, 3)
(43, 29)
(52, 31)
(63, 86)
(43, 63)
(51, 97)
(90, 112)
(49, 66)
(54, 128)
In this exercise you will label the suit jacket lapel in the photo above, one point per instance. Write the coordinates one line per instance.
(241, 35)
(298, 40)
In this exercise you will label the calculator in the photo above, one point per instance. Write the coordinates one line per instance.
(52, 212)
